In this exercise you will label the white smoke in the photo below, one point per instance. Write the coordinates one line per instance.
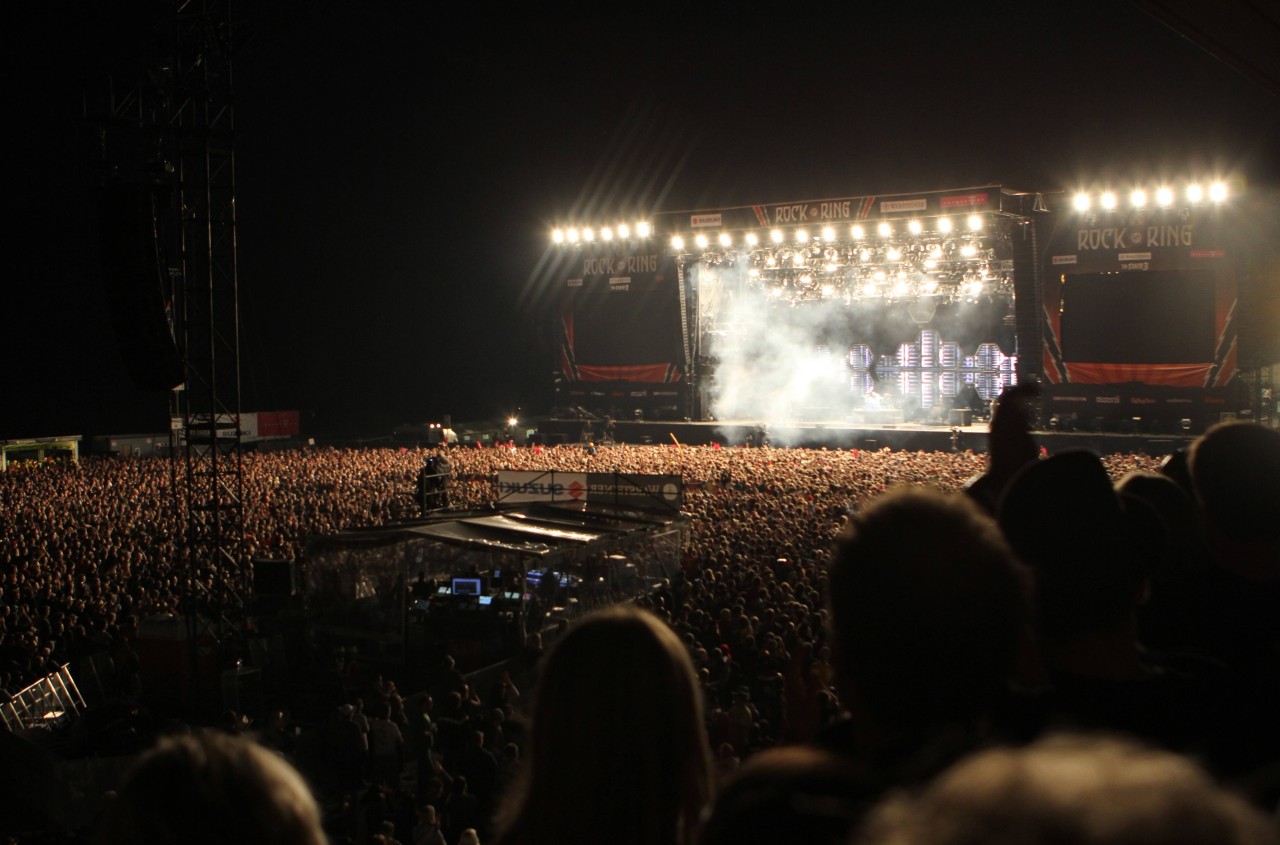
(780, 362)
(775, 360)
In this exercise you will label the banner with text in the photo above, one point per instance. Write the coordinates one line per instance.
(1149, 298)
(613, 488)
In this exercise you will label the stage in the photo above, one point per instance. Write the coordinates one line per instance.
(847, 434)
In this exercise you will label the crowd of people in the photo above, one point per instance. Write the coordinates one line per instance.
(849, 625)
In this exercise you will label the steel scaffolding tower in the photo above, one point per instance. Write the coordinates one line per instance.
(201, 118)
(174, 133)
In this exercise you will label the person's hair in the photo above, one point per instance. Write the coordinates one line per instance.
(793, 793)
(1090, 548)
(928, 606)
(618, 749)
(212, 788)
(1070, 790)
(1235, 468)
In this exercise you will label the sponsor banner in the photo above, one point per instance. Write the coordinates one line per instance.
(541, 486)
(574, 283)
(1170, 404)
(889, 206)
(1208, 253)
(977, 200)
(1135, 256)
(1064, 259)
(647, 373)
(620, 283)
(1174, 375)
(1134, 394)
(279, 424)
(651, 491)
(837, 210)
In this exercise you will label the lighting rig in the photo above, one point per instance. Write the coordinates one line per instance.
(943, 259)
(1163, 196)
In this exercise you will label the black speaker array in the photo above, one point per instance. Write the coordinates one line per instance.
(134, 277)
(274, 578)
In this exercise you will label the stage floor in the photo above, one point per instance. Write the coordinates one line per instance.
(843, 434)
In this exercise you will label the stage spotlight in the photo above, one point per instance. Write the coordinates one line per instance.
(865, 255)
(572, 236)
(606, 234)
(975, 222)
(914, 227)
(1195, 194)
(802, 236)
(1218, 191)
(1138, 199)
(828, 234)
(1081, 202)
(677, 243)
(643, 229)
(776, 236)
(944, 225)
(893, 254)
(968, 250)
(870, 289)
(1107, 201)
(588, 235)
(1164, 197)
(752, 239)
(702, 241)
(725, 239)
(557, 236)
(858, 232)
(885, 230)
(624, 231)
(512, 422)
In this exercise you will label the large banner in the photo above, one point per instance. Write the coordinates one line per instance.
(834, 211)
(620, 320)
(1147, 299)
(614, 488)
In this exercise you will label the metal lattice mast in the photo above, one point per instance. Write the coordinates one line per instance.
(202, 122)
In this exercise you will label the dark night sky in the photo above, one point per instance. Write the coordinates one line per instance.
(398, 170)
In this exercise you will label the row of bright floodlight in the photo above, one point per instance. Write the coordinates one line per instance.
(1164, 197)
(586, 234)
(856, 231)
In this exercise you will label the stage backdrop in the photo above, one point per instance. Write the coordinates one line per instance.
(620, 342)
(1148, 300)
